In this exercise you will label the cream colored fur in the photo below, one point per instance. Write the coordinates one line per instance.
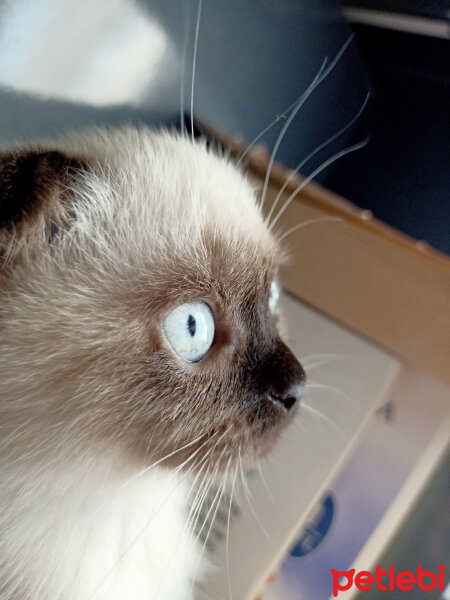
(76, 522)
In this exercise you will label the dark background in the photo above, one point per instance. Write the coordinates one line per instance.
(256, 57)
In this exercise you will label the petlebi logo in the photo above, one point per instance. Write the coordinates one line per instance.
(388, 580)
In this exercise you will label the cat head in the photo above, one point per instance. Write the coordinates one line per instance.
(138, 303)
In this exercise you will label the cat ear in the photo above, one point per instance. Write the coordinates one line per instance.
(34, 195)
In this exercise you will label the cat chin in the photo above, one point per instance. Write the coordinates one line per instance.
(240, 450)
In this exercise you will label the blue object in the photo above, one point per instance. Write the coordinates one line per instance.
(315, 531)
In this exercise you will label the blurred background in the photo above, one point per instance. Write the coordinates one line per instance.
(64, 64)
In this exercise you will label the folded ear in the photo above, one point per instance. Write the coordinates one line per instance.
(33, 197)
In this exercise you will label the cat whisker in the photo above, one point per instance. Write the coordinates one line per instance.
(195, 529)
(285, 127)
(321, 76)
(248, 497)
(214, 473)
(324, 418)
(259, 467)
(320, 359)
(158, 462)
(227, 543)
(183, 66)
(201, 496)
(204, 460)
(216, 502)
(327, 387)
(310, 222)
(194, 64)
(279, 117)
(300, 425)
(147, 524)
(210, 508)
(316, 151)
(192, 514)
(316, 172)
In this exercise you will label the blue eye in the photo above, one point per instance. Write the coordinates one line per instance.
(274, 296)
(189, 329)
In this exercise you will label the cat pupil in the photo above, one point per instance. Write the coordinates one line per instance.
(192, 326)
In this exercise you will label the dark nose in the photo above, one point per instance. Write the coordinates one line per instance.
(290, 397)
(282, 377)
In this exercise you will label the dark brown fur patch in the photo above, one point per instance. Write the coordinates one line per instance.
(26, 181)
(32, 184)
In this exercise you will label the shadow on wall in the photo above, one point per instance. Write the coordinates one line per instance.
(25, 118)
(253, 60)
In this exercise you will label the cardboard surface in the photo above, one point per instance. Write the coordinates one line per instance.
(373, 492)
(353, 375)
(386, 288)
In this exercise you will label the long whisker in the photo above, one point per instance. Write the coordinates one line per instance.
(279, 117)
(214, 473)
(316, 172)
(285, 127)
(187, 528)
(194, 64)
(200, 496)
(201, 503)
(216, 502)
(183, 66)
(248, 497)
(298, 422)
(316, 151)
(227, 543)
(311, 385)
(158, 462)
(310, 222)
(209, 511)
(323, 357)
(321, 76)
(326, 419)
(203, 498)
(200, 488)
(265, 483)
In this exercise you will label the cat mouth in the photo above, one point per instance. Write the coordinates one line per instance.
(248, 438)
(275, 415)
(243, 422)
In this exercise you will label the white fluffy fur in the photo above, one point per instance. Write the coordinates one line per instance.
(70, 526)
(104, 539)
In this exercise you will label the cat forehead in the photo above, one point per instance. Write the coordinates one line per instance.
(232, 272)
(168, 173)
(176, 196)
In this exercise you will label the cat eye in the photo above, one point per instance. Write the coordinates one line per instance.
(189, 329)
(274, 296)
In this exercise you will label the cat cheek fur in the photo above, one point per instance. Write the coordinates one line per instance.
(99, 238)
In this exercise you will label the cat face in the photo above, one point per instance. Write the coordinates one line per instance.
(139, 309)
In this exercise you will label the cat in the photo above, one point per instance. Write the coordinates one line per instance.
(140, 355)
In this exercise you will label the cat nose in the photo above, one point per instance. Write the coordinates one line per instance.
(282, 377)
(290, 397)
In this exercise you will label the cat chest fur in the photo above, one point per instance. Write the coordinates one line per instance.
(108, 538)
